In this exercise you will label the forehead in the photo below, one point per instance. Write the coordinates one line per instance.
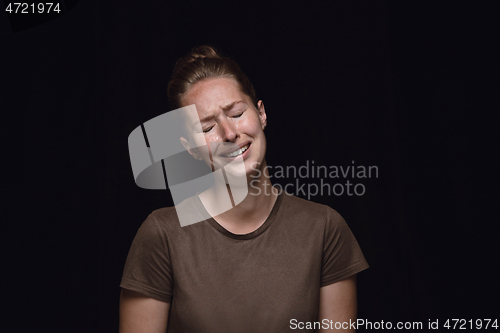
(210, 95)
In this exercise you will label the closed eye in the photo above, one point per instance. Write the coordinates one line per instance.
(238, 115)
(208, 129)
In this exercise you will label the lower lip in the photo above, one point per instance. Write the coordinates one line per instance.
(244, 155)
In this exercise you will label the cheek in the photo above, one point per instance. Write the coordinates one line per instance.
(250, 126)
(210, 142)
(205, 140)
(203, 144)
(199, 139)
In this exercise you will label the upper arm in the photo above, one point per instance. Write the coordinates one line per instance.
(338, 302)
(142, 314)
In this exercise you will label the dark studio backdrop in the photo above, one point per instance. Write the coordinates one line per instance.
(407, 87)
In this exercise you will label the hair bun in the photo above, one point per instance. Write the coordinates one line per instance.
(204, 62)
(203, 51)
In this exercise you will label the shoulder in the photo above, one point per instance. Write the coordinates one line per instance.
(178, 221)
(168, 217)
(155, 227)
(157, 224)
(296, 206)
(162, 220)
(165, 216)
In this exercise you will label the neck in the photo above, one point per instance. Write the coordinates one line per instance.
(251, 212)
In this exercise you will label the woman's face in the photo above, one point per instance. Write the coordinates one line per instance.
(231, 126)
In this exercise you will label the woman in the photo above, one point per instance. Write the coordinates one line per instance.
(271, 263)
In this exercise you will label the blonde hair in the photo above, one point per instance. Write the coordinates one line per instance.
(205, 62)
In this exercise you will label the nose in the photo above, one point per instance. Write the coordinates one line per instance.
(228, 132)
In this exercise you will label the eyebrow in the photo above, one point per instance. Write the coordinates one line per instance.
(231, 105)
(225, 108)
(203, 119)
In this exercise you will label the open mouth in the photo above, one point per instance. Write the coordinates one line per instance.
(237, 152)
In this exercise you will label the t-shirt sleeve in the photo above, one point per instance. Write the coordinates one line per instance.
(342, 256)
(147, 268)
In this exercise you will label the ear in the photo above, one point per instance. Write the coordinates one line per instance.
(262, 114)
(192, 151)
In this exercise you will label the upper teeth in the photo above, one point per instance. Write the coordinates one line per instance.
(238, 152)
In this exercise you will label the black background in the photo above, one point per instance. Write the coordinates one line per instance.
(408, 87)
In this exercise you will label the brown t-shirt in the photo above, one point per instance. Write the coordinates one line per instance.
(217, 281)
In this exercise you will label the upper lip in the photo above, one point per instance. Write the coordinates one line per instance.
(232, 150)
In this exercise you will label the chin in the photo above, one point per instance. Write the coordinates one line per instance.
(253, 168)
